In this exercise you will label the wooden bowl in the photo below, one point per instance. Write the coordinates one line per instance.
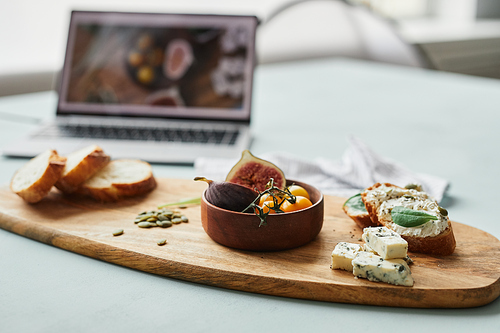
(283, 231)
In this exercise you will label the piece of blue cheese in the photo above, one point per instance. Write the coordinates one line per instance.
(343, 254)
(366, 248)
(375, 268)
(385, 242)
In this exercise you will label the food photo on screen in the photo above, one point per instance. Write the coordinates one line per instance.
(202, 67)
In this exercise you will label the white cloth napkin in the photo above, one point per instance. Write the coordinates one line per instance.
(359, 168)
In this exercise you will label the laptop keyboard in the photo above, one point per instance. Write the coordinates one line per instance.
(207, 136)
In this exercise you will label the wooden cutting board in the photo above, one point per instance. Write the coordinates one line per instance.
(470, 277)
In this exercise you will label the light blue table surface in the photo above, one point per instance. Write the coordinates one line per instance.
(437, 123)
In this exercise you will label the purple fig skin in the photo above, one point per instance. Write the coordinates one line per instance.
(228, 196)
(255, 173)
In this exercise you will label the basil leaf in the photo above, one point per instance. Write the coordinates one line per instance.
(407, 217)
(355, 202)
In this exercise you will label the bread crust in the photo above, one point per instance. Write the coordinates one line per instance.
(117, 190)
(371, 209)
(88, 166)
(40, 187)
(441, 245)
(362, 220)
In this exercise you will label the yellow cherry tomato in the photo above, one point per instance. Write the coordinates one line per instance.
(298, 190)
(268, 197)
(145, 74)
(145, 41)
(264, 198)
(268, 207)
(300, 203)
(135, 58)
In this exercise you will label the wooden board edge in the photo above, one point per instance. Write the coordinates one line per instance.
(272, 286)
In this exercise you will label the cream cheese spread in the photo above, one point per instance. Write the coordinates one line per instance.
(386, 198)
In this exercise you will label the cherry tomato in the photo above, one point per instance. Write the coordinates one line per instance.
(300, 203)
(268, 197)
(145, 74)
(264, 198)
(135, 58)
(145, 41)
(298, 190)
(268, 207)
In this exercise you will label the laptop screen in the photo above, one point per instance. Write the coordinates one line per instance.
(159, 65)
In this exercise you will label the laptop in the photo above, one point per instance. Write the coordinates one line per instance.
(164, 88)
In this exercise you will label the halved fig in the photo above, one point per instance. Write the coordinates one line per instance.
(178, 59)
(255, 173)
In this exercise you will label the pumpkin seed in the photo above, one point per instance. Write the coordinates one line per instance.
(177, 220)
(118, 232)
(165, 224)
(182, 207)
(163, 218)
(144, 217)
(161, 242)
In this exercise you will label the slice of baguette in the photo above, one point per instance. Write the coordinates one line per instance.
(119, 179)
(35, 179)
(80, 166)
(359, 216)
(420, 239)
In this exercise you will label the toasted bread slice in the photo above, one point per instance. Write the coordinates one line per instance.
(433, 237)
(362, 219)
(120, 179)
(80, 166)
(35, 179)
(355, 209)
